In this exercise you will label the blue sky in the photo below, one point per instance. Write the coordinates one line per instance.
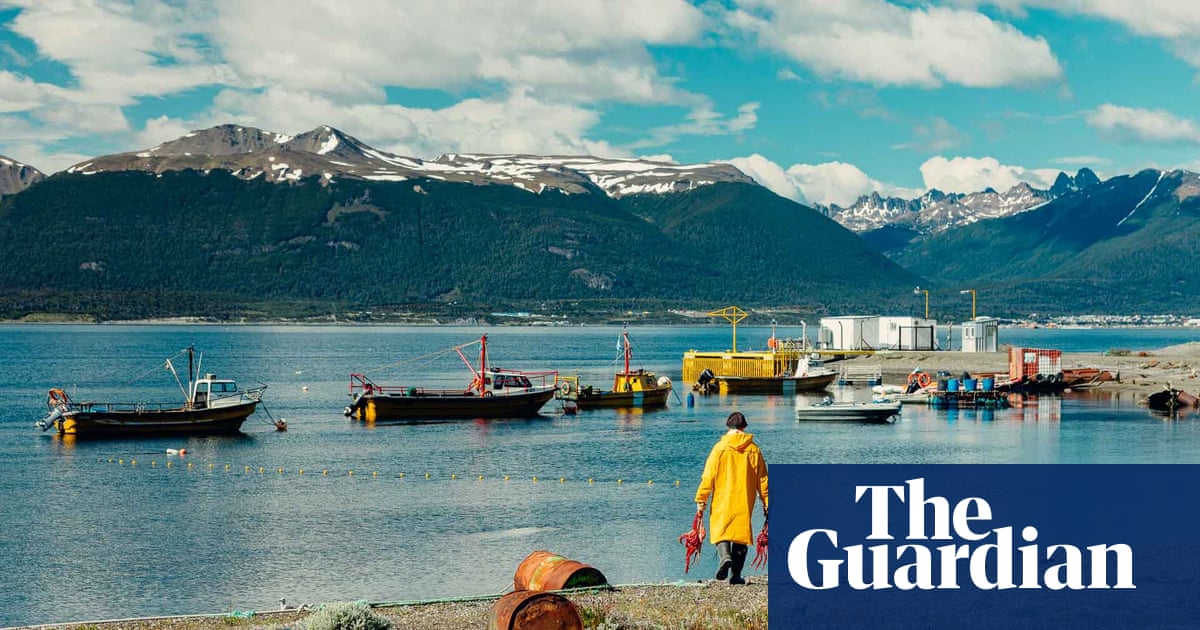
(821, 100)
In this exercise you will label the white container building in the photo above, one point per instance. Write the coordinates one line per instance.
(981, 334)
(907, 333)
(849, 332)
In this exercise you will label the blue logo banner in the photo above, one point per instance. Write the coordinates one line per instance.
(984, 546)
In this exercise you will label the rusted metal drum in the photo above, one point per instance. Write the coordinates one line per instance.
(534, 610)
(544, 571)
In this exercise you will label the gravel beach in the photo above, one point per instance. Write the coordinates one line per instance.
(680, 606)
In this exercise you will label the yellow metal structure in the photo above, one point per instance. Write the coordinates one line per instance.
(783, 359)
(733, 315)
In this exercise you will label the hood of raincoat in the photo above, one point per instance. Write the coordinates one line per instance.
(738, 441)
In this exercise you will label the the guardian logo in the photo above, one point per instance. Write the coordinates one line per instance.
(974, 552)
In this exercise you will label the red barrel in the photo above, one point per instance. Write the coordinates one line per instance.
(544, 571)
(534, 610)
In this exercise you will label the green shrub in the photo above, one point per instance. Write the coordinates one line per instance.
(345, 616)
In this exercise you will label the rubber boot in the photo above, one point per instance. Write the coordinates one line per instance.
(739, 561)
(724, 559)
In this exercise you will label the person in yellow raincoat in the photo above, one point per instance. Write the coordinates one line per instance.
(734, 475)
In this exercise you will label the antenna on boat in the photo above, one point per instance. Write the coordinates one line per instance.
(733, 315)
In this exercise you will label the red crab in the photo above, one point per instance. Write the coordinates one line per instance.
(693, 540)
(760, 549)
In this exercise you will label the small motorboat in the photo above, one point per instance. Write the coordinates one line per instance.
(875, 411)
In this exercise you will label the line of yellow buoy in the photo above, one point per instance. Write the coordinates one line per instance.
(325, 472)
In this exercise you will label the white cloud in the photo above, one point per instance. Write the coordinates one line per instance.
(972, 174)
(702, 121)
(877, 42)
(1177, 21)
(1081, 160)
(1130, 124)
(516, 123)
(161, 129)
(826, 184)
(770, 175)
(933, 136)
(37, 157)
(19, 93)
(572, 50)
(117, 51)
(536, 70)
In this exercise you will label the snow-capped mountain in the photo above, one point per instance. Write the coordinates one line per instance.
(936, 211)
(15, 176)
(328, 153)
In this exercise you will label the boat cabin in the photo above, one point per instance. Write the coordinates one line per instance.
(211, 391)
(639, 381)
(498, 381)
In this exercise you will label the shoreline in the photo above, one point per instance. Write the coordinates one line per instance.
(700, 604)
(1138, 373)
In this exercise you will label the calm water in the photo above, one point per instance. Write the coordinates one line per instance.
(87, 534)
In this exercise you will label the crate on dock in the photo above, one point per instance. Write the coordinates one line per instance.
(867, 374)
(1028, 363)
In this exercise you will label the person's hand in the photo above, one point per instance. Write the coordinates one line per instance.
(700, 509)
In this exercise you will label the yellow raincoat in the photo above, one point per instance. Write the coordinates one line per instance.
(734, 473)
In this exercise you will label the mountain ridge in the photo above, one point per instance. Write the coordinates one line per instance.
(329, 153)
(936, 211)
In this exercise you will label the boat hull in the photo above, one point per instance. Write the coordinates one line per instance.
(86, 423)
(613, 400)
(777, 385)
(858, 412)
(451, 405)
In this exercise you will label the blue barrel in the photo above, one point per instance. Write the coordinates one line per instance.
(969, 385)
(987, 384)
(952, 385)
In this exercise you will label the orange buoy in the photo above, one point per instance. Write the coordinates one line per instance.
(533, 610)
(544, 571)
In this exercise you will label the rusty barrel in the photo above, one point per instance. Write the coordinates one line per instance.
(544, 571)
(534, 610)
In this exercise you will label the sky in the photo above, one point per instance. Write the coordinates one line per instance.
(819, 100)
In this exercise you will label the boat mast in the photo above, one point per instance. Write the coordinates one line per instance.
(483, 364)
(191, 393)
(628, 349)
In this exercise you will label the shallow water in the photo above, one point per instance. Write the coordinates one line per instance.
(87, 534)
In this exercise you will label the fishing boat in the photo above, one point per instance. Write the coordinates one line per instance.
(806, 378)
(631, 388)
(492, 393)
(852, 411)
(210, 405)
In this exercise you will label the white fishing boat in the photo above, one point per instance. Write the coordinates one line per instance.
(848, 411)
(210, 405)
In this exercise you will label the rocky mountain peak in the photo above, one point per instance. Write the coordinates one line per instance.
(1085, 178)
(328, 141)
(15, 176)
(219, 140)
